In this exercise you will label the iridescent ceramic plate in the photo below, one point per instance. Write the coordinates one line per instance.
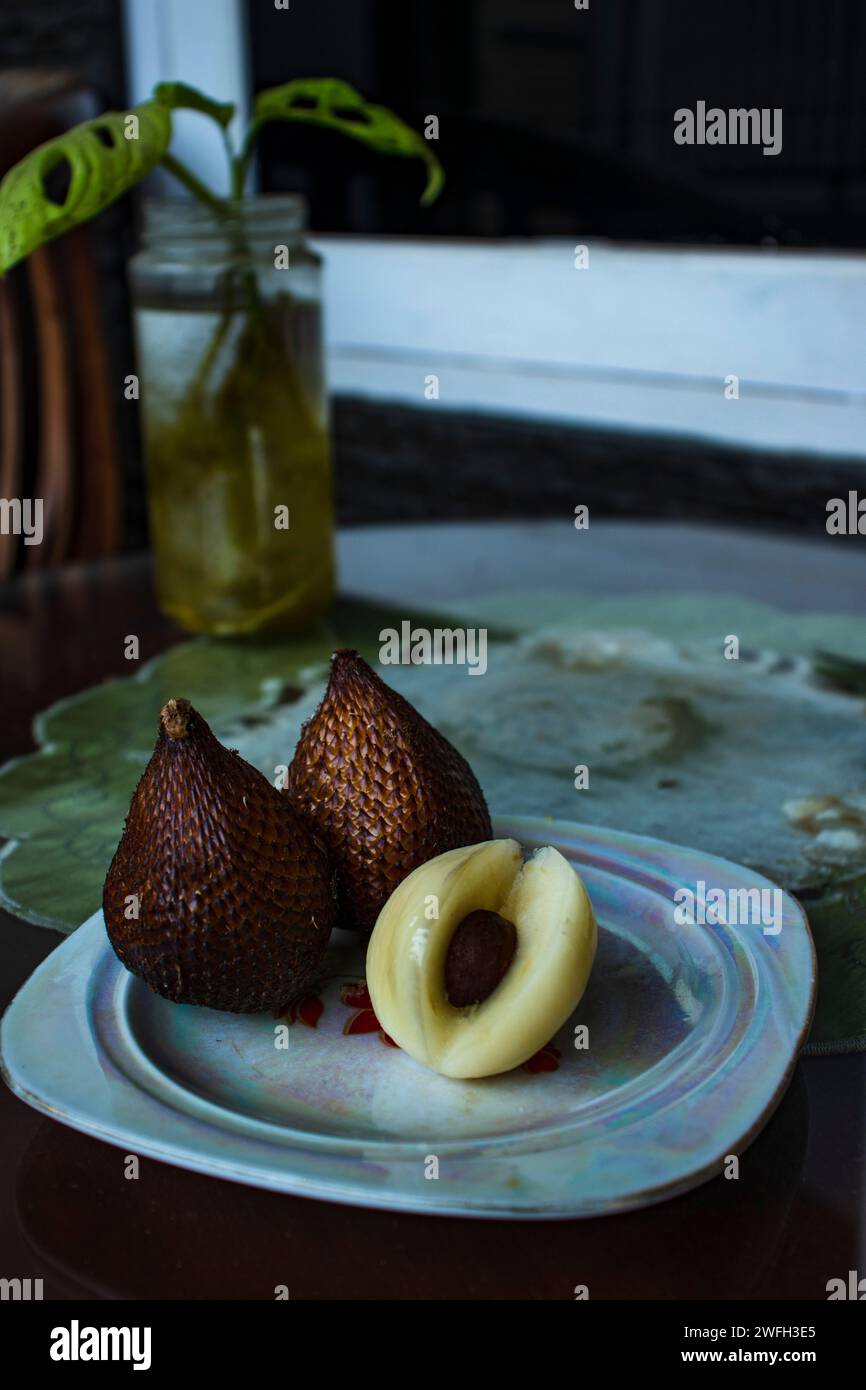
(692, 1031)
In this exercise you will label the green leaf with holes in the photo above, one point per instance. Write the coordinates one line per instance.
(328, 102)
(97, 161)
(179, 96)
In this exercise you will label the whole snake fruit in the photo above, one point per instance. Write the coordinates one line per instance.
(384, 789)
(219, 892)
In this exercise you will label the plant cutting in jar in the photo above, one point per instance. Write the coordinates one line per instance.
(233, 427)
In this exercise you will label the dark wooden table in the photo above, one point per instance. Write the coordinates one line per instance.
(793, 1220)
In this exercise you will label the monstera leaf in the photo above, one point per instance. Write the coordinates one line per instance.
(328, 102)
(69, 180)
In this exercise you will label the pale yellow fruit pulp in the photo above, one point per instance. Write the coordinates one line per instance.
(556, 943)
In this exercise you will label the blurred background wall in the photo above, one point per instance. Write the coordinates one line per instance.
(555, 129)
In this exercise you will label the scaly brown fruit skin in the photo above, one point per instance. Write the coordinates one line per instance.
(386, 791)
(236, 893)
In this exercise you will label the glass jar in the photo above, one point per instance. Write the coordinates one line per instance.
(229, 335)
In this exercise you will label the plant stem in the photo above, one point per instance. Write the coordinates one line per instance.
(239, 176)
(195, 185)
(239, 164)
(223, 210)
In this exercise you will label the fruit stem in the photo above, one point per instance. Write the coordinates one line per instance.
(174, 718)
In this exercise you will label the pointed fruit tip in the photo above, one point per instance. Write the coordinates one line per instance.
(346, 663)
(174, 718)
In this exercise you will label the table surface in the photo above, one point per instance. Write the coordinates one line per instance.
(790, 1222)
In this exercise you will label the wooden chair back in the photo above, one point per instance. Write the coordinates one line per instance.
(58, 439)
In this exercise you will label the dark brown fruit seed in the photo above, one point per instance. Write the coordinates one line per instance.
(479, 954)
(219, 893)
(386, 791)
